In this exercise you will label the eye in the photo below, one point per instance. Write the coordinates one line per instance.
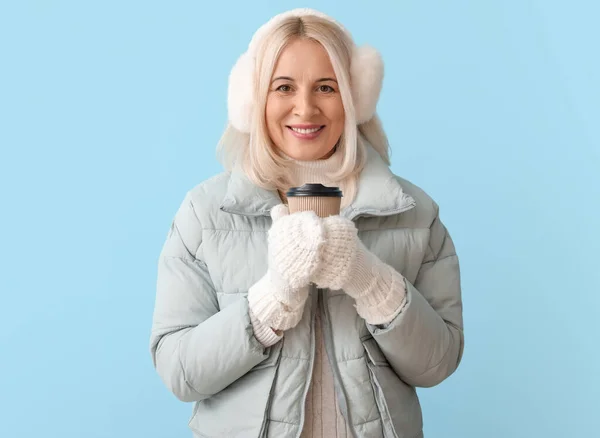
(326, 89)
(284, 88)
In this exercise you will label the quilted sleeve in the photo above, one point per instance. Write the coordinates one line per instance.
(197, 348)
(424, 342)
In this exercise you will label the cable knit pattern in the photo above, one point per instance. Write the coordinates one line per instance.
(323, 416)
(278, 298)
(265, 334)
(347, 264)
(301, 172)
(338, 254)
(294, 245)
(379, 290)
(264, 300)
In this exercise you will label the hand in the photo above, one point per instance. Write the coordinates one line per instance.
(338, 254)
(295, 242)
(346, 263)
(278, 298)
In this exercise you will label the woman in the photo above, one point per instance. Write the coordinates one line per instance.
(287, 325)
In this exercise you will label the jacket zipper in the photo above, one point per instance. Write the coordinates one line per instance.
(312, 361)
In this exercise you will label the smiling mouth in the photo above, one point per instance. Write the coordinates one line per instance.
(306, 131)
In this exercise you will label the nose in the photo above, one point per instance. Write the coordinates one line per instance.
(305, 105)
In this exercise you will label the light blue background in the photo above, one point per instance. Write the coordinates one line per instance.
(110, 111)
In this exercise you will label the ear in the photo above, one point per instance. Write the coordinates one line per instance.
(279, 211)
(366, 73)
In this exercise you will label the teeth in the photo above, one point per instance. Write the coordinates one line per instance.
(305, 131)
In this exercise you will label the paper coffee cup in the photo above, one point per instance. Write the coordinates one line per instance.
(324, 201)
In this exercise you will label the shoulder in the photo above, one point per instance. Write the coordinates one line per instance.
(426, 207)
(427, 215)
(205, 197)
(192, 215)
(211, 190)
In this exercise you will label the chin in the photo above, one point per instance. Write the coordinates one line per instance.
(304, 153)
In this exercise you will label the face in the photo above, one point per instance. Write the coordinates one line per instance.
(304, 112)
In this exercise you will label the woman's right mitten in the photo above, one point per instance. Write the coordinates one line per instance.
(294, 244)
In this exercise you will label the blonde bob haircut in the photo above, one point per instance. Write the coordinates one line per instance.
(255, 154)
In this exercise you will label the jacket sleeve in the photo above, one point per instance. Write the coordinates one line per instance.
(424, 342)
(197, 348)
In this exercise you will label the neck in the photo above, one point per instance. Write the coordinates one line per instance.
(314, 171)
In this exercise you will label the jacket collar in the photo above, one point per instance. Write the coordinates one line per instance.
(379, 193)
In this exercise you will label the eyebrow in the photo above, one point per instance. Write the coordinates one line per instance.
(287, 78)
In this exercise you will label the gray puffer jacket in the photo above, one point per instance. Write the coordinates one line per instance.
(202, 341)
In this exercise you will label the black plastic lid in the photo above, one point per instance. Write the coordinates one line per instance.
(313, 189)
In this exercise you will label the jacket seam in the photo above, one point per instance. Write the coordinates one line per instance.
(234, 229)
(194, 210)
(284, 422)
(445, 353)
(365, 422)
(338, 361)
(361, 230)
(440, 259)
(185, 259)
(199, 223)
(294, 358)
(183, 371)
(368, 230)
(441, 245)
(352, 358)
(297, 424)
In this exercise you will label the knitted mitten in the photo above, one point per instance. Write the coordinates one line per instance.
(295, 240)
(379, 290)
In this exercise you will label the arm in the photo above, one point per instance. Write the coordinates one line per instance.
(417, 327)
(266, 335)
(277, 300)
(424, 342)
(197, 348)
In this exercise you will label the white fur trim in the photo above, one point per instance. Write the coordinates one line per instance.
(366, 73)
(240, 93)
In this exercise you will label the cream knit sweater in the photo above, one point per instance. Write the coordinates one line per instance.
(379, 294)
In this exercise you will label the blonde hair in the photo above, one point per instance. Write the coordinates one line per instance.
(255, 154)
